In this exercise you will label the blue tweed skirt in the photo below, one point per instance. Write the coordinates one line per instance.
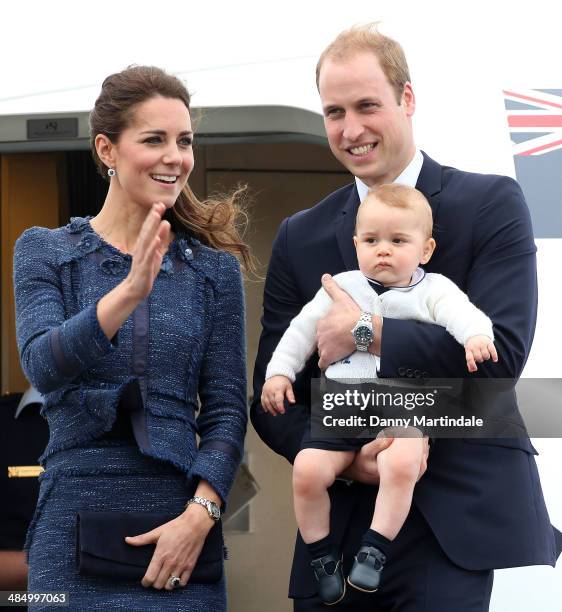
(108, 475)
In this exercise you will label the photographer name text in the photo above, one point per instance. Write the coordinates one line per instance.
(415, 421)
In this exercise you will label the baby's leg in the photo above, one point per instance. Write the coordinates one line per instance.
(314, 472)
(399, 467)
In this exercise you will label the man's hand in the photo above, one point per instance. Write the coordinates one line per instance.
(333, 332)
(365, 468)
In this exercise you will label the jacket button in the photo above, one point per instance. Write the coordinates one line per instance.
(401, 371)
(188, 252)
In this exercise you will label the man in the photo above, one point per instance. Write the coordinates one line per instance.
(479, 506)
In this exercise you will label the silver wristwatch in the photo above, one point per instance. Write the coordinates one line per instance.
(212, 508)
(363, 332)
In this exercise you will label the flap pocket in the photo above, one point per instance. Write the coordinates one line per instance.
(523, 444)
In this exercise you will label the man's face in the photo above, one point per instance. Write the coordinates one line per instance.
(369, 132)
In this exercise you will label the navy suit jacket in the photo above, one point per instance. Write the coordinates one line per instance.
(481, 497)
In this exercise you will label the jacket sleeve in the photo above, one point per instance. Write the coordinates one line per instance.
(53, 349)
(223, 417)
(502, 282)
(281, 303)
(299, 340)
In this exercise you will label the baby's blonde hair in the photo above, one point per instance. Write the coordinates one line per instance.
(402, 196)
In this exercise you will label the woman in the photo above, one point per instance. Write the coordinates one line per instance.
(123, 321)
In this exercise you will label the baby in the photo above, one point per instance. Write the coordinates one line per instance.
(393, 236)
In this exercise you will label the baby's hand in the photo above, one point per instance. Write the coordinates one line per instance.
(273, 392)
(479, 349)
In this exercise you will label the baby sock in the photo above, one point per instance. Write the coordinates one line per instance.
(374, 538)
(321, 548)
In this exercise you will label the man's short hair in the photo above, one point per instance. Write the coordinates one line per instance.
(362, 38)
(402, 196)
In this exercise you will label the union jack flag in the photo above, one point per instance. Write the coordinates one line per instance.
(534, 117)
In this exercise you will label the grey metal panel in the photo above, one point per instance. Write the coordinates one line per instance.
(13, 128)
(218, 125)
(258, 138)
(43, 146)
(257, 119)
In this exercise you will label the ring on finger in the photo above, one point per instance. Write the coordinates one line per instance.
(174, 581)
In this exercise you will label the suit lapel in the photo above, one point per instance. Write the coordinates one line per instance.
(345, 225)
(430, 182)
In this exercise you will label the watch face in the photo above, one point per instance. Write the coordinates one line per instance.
(215, 512)
(363, 334)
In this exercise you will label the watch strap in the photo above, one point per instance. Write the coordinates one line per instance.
(212, 509)
(365, 320)
(366, 317)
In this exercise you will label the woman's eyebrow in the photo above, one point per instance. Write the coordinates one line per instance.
(163, 132)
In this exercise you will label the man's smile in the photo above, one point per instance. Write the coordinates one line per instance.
(362, 150)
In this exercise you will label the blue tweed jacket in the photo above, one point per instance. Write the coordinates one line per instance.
(186, 340)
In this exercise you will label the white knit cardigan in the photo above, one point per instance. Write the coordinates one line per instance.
(433, 299)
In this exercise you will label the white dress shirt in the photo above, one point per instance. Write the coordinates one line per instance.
(409, 175)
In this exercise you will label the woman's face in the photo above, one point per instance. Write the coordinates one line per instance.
(153, 157)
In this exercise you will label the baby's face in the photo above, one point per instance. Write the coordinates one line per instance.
(391, 243)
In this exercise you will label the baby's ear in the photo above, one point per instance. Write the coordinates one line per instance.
(355, 240)
(428, 249)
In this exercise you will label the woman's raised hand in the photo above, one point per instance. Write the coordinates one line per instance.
(114, 307)
(150, 248)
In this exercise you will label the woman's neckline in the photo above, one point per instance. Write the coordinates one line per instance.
(114, 248)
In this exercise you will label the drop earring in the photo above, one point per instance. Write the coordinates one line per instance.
(111, 172)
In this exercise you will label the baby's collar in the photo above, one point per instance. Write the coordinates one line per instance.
(417, 277)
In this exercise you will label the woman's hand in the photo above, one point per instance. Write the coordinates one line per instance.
(114, 308)
(178, 546)
(150, 248)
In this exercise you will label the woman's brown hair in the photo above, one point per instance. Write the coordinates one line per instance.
(217, 222)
